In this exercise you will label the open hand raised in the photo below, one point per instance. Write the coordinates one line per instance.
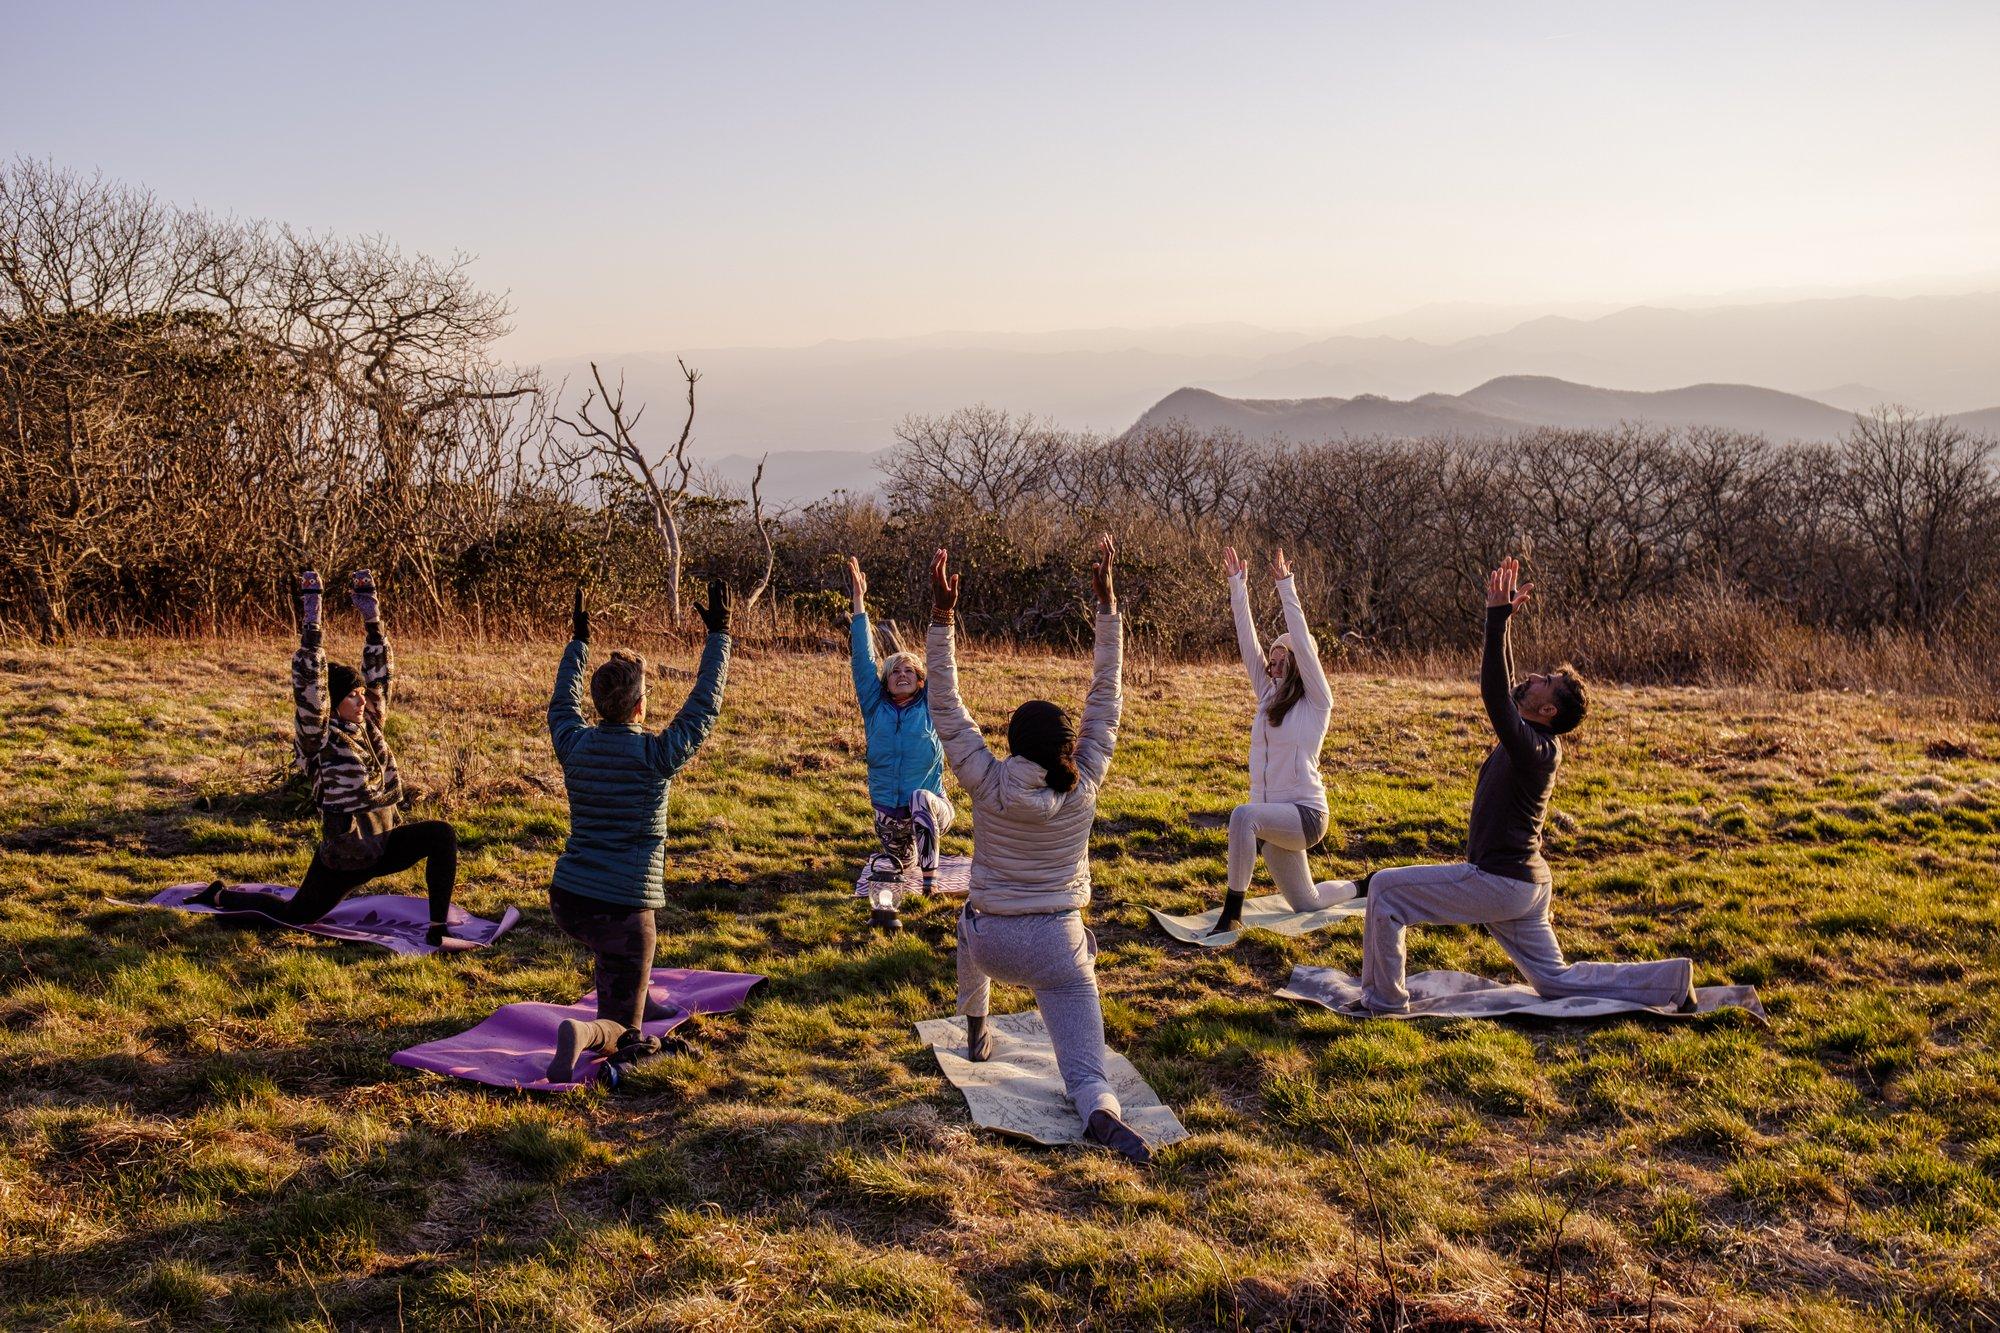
(1100, 572)
(1281, 568)
(857, 585)
(579, 619)
(1232, 563)
(944, 583)
(1504, 588)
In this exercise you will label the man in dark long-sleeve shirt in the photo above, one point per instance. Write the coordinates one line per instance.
(1503, 883)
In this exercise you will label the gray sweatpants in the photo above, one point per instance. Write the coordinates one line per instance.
(1053, 955)
(1517, 913)
(1279, 831)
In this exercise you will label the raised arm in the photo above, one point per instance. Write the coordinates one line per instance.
(1305, 649)
(378, 667)
(676, 744)
(964, 748)
(1097, 732)
(1247, 642)
(309, 677)
(566, 720)
(1523, 743)
(867, 677)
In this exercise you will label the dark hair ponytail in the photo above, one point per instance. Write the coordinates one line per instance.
(1041, 731)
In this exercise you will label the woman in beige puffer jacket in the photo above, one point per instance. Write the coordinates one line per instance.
(1032, 812)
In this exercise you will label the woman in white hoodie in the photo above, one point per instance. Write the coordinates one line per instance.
(1285, 816)
(1032, 812)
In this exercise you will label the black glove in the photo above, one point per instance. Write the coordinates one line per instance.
(716, 614)
(579, 619)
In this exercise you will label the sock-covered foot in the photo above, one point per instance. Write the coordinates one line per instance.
(930, 881)
(210, 896)
(572, 1040)
(435, 936)
(978, 1041)
(1232, 915)
(1115, 1134)
(1330, 892)
(659, 1011)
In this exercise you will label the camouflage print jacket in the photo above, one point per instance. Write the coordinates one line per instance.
(348, 763)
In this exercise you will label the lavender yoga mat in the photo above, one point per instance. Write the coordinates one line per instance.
(512, 1049)
(395, 922)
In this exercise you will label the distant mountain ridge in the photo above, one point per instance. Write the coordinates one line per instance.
(1511, 403)
(1930, 353)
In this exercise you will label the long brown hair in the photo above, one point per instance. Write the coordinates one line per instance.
(1291, 689)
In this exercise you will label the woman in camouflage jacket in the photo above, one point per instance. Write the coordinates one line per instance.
(337, 732)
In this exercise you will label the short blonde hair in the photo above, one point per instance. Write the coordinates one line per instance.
(894, 660)
(619, 687)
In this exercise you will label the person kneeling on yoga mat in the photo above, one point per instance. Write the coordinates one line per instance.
(1285, 816)
(337, 732)
(905, 762)
(1503, 883)
(1032, 812)
(608, 881)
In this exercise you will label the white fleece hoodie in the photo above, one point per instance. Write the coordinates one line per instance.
(1030, 845)
(1284, 759)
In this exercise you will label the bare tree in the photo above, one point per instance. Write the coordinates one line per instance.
(763, 525)
(665, 484)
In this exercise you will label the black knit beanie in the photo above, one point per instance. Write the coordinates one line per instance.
(341, 681)
(1042, 731)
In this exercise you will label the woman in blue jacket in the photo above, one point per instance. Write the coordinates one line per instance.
(905, 762)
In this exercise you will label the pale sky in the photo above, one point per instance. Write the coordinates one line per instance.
(695, 174)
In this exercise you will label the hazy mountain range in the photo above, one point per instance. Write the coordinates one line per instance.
(1512, 403)
(819, 410)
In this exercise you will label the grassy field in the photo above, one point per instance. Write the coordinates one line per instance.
(201, 1125)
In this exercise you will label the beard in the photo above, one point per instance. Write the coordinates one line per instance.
(1521, 691)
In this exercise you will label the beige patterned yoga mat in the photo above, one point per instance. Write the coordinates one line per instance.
(1271, 913)
(1020, 1090)
(1463, 995)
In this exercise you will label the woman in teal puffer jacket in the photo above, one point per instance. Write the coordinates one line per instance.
(905, 763)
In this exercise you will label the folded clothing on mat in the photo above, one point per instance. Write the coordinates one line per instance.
(1271, 913)
(1462, 995)
(513, 1048)
(395, 922)
(1020, 1091)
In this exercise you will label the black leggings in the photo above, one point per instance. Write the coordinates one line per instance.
(620, 940)
(431, 841)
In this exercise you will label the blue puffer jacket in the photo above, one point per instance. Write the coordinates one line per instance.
(618, 778)
(904, 756)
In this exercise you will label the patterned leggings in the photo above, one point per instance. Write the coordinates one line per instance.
(916, 831)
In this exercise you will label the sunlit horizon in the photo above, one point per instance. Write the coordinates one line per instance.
(645, 180)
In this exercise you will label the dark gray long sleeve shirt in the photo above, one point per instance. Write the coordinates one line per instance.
(1512, 798)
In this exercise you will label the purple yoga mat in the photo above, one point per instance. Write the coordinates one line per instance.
(512, 1049)
(396, 923)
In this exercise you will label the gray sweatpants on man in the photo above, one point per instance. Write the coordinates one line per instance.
(1053, 955)
(1517, 913)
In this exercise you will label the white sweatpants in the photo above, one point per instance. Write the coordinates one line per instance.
(1279, 832)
